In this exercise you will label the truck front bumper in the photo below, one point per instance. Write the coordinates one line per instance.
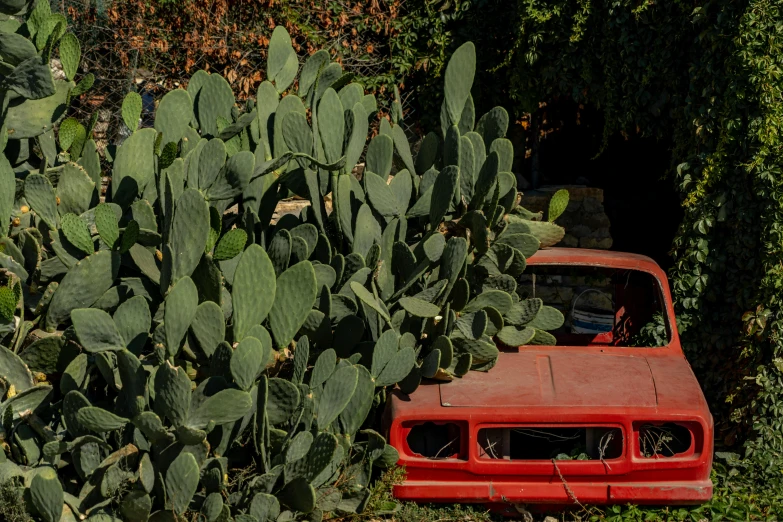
(557, 491)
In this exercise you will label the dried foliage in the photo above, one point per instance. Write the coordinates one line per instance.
(155, 45)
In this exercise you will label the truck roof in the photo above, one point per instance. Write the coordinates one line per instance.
(605, 258)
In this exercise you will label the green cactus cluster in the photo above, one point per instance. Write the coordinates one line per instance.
(155, 339)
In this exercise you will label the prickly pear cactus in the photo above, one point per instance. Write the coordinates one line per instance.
(156, 338)
(36, 99)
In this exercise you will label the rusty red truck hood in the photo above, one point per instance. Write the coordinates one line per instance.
(549, 387)
(560, 376)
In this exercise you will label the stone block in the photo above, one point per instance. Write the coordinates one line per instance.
(601, 233)
(585, 220)
(580, 231)
(552, 295)
(593, 205)
(594, 221)
(568, 220)
(569, 241)
(581, 193)
(588, 242)
(535, 202)
(591, 242)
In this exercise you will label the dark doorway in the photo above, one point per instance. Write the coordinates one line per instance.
(634, 173)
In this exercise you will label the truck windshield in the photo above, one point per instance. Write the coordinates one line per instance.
(602, 306)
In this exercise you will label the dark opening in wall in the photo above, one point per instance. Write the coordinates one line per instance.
(634, 173)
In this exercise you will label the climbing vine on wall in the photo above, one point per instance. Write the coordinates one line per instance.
(729, 274)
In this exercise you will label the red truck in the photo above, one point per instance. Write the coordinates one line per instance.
(612, 414)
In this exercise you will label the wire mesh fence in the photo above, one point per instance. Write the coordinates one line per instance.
(153, 46)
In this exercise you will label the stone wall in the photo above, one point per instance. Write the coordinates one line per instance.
(586, 223)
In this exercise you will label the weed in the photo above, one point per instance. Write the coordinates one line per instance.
(383, 506)
(12, 505)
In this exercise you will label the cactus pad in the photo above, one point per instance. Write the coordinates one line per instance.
(299, 446)
(547, 318)
(131, 110)
(419, 308)
(497, 299)
(331, 124)
(462, 364)
(472, 325)
(547, 233)
(430, 364)
(208, 326)
(301, 357)
(172, 393)
(380, 194)
(298, 494)
(136, 506)
(7, 194)
(294, 298)
(264, 507)
(39, 193)
(225, 406)
(397, 368)
(280, 250)
(338, 390)
(173, 115)
(70, 55)
(213, 506)
(46, 494)
(528, 244)
(283, 400)
(189, 233)
(247, 362)
(557, 204)
(75, 189)
(14, 370)
(357, 409)
(254, 290)
(44, 355)
(324, 367)
(211, 161)
(355, 146)
(443, 191)
(366, 297)
(282, 63)
(493, 124)
(106, 223)
(96, 330)
(100, 420)
(480, 349)
(181, 482)
(458, 80)
(215, 99)
(379, 155)
(523, 312)
(134, 166)
(181, 304)
(513, 336)
(385, 349)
